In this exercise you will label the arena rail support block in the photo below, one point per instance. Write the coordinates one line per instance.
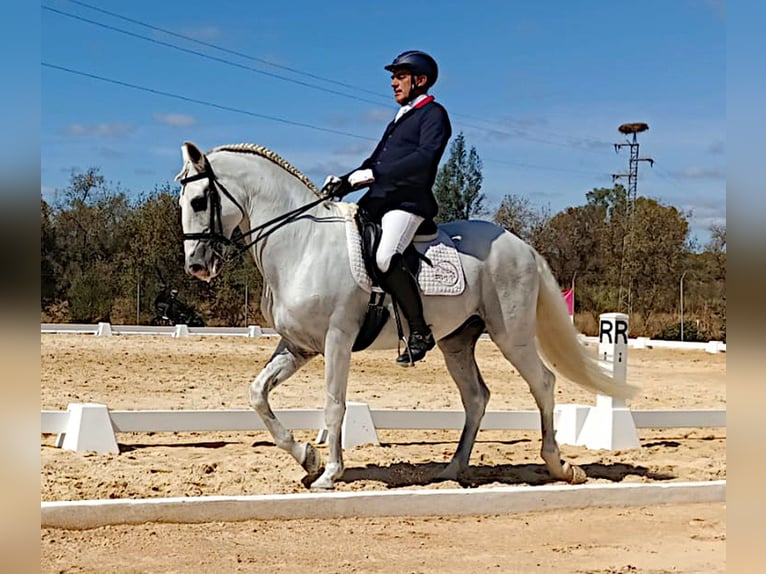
(254, 331)
(357, 429)
(610, 424)
(570, 419)
(641, 343)
(181, 331)
(89, 428)
(104, 329)
(713, 347)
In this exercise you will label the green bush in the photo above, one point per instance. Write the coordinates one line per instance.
(691, 333)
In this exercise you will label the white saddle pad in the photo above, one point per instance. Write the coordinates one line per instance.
(444, 277)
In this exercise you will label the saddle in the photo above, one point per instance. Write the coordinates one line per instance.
(370, 233)
(431, 257)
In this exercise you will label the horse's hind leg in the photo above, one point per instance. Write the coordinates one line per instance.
(458, 350)
(541, 383)
(283, 363)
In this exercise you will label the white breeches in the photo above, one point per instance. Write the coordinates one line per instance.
(399, 228)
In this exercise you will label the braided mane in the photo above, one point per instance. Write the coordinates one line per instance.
(270, 155)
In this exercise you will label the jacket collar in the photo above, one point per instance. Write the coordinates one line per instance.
(415, 104)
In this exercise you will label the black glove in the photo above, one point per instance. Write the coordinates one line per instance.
(337, 187)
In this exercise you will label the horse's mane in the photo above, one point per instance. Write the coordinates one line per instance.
(270, 155)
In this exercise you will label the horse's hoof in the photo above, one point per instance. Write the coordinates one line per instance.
(578, 475)
(323, 484)
(312, 461)
(450, 472)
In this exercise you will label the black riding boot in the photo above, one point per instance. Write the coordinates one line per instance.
(404, 288)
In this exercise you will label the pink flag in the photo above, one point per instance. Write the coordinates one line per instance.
(569, 300)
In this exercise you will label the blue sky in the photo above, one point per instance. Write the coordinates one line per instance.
(538, 88)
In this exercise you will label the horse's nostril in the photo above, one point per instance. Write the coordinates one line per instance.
(196, 268)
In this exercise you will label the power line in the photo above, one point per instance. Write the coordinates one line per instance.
(206, 56)
(547, 168)
(273, 118)
(492, 129)
(225, 50)
(202, 102)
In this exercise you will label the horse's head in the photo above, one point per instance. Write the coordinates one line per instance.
(209, 214)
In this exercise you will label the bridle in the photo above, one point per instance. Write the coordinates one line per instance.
(214, 232)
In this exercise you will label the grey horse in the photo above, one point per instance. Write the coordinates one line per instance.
(298, 241)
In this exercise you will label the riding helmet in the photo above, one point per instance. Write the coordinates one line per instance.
(419, 63)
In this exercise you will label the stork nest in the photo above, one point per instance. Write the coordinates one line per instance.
(633, 128)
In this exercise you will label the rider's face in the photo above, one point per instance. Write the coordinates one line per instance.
(401, 82)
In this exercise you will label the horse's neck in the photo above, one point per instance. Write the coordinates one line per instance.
(271, 192)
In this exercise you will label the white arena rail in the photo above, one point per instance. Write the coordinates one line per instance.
(256, 331)
(90, 426)
(609, 424)
(55, 422)
(177, 330)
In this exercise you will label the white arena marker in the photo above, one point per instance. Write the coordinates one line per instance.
(641, 343)
(89, 428)
(610, 424)
(404, 502)
(570, 419)
(713, 347)
(181, 331)
(358, 427)
(104, 329)
(254, 331)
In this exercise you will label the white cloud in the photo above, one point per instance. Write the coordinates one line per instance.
(379, 116)
(356, 149)
(110, 153)
(103, 129)
(717, 147)
(695, 172)
(176, 120)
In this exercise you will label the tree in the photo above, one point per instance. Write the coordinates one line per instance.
(458, 184)
(707, 288)
(50, 268)
(88, 235)
(655, 246)
(154, 253)
(573, 244)
(517, 215)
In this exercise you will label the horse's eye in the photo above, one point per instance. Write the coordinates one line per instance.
(199, 203)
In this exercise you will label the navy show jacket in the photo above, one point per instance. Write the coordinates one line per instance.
(405, 162)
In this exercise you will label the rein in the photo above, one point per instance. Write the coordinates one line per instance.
(215, 233)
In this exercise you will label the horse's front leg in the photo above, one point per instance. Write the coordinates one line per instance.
(285, 361)
(337, 361)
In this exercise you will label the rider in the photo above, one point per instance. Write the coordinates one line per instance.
(173, 304)
(400, 173)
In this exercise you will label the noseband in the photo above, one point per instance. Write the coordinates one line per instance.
(214, 233)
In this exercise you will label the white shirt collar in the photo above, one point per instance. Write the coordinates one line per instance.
(408, 106)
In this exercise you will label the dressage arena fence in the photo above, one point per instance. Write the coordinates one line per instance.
(608, 424)
(107, 329)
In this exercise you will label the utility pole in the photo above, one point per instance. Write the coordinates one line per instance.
(632, 176)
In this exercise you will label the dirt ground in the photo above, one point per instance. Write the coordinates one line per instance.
(142, 372)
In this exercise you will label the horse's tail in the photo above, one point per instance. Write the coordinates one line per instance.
(558, 342)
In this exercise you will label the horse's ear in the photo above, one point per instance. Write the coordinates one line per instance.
(192, 154)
